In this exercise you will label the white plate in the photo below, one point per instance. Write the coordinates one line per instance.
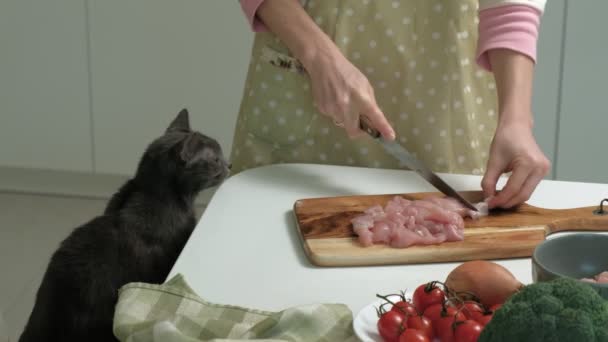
(365, 323)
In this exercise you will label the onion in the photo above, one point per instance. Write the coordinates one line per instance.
(489, 282)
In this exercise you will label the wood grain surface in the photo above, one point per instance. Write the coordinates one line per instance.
(329, 240)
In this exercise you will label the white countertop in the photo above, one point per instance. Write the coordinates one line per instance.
(245, 250)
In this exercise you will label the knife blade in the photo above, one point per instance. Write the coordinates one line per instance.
(407, 159)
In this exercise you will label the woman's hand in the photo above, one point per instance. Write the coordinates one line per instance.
(343, 93)
(514, 150)
(340, 90)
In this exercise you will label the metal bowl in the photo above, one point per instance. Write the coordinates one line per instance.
(575, 255)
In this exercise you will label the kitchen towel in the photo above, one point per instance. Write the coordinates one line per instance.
(174, 312)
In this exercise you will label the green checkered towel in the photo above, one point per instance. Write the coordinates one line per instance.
(173, 312)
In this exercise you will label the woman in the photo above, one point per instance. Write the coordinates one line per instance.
(450, 80)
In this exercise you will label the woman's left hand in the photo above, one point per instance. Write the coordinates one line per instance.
(514, 150)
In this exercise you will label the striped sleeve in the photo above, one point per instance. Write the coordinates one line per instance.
(250, 8)
(537, 4)
(510, 24)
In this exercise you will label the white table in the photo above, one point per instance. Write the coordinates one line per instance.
(245, 250)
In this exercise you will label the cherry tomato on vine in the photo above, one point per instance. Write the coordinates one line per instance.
(413, 335)
(437, 311)
(407, 308)
(467, 331)
(485, 318)
(443, 328)
(495, 307)
(426, 295)
(421, 323)
(472, 310)
(390, 325)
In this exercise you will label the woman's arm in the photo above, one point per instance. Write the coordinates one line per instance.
(514, 148)
(340, 90)
(507, 47)
(513, 27)
(290, 22)
(513, 73)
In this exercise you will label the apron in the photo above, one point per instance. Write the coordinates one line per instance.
(419, 55)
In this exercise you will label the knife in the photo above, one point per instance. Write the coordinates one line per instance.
(401, 154)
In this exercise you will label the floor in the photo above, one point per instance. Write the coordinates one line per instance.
(31, 227)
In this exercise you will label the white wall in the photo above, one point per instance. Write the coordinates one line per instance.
(584, 97)
(85, 85)
(150, 59)
(545, 104)
(44, 104)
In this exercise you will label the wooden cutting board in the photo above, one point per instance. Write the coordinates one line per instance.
(329, 240)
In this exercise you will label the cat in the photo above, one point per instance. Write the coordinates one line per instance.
(137, 238)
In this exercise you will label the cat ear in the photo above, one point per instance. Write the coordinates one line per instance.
(181, 122)
(188, 149)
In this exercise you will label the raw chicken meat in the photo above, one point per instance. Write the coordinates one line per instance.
(601, 278)
(403, 223)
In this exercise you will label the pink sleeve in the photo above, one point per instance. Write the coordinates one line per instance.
(250, 8)
(513, 27)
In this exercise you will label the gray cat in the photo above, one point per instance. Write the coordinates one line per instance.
(137, 239)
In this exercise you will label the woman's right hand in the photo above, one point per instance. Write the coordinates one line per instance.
(340, 90)
(343, 93)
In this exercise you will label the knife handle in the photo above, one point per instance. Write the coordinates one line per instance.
(366, 125)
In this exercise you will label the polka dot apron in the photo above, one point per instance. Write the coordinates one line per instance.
(419, 55)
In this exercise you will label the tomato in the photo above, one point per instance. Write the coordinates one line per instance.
(442, 317)
(426, 295)
(487, 315)
(485, 319)
(406, 308)
(443, 328)
(472, 310)
(413, 335)
(437, 311)
(495, 307)
(390, 325)
(433, 312)
(467, 331)
(421, 323)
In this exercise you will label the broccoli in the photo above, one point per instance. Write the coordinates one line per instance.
(559, 310)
